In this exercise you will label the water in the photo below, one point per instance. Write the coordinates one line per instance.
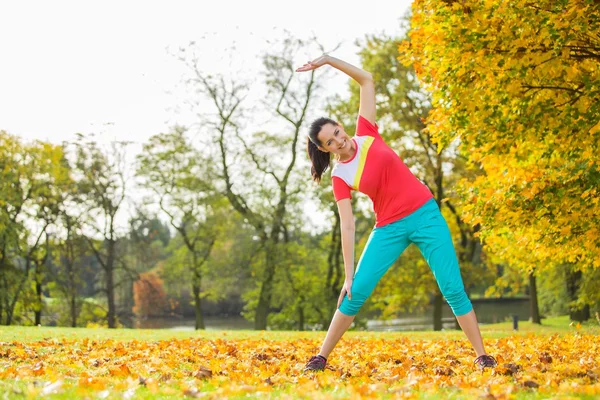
(413, 323)
(488, 311)
(189, 324)
(491, 311)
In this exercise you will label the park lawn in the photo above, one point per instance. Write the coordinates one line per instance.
(549, 326)
(553, 360)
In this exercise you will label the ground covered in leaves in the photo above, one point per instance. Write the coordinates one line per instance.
(529, 366)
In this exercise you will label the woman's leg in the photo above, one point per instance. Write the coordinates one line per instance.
(433, 238)
(339, 325)
(381, 251)
(468, 323)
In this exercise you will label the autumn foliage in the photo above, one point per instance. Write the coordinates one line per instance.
(359, 368)
(518, 83)
(149, 295)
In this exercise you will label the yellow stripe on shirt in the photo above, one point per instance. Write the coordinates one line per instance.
(361, 162)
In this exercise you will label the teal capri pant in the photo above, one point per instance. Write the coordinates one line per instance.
(426, 228)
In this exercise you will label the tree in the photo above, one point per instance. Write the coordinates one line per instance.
(141, 250)
(69, 254)
(149, 294)
(102, 188)
(31, 178)
(57, 183)
(520, 91)
(268, 159)
(181, 178)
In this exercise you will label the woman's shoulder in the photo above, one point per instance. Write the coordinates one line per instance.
(337, 167)
(340, 168)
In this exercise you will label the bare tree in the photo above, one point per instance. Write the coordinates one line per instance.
(181, 178)
(268, 159)
(102, 186)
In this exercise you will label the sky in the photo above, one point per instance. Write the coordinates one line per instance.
(108, 68)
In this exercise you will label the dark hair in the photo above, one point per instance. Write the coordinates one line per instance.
(320, 160)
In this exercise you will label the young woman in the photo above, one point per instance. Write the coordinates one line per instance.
(405, 213)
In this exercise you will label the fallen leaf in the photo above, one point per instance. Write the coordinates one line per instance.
(38, 369)
(531, 384)
(202, 372)
(545, 358)
(120, 370)
(508, 369)
(444, 371)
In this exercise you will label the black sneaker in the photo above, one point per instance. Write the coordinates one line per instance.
(485, 361)
(316, 363)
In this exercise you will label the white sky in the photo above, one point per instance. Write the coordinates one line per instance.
(104, 67)
(68, 67)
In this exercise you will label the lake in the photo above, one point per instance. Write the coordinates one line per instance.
(488, 311)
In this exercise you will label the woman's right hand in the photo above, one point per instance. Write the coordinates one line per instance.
(314, 64)
(347, 288)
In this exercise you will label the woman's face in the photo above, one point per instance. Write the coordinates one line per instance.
(335, 140)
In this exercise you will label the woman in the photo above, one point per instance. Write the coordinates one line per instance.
(405, 213)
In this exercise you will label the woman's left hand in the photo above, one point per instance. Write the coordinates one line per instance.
(346, 290)
(314, 64)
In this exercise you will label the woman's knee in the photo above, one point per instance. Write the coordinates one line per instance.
(458, 301)
(351, 307)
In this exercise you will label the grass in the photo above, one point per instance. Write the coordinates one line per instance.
(20, 390)
(36, 345)
(554, 325)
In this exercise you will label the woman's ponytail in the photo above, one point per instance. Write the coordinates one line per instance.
(320, 159)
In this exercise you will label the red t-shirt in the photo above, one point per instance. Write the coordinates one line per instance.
(377, 171)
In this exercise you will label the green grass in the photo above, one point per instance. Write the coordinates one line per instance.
(30, 333)
(549, 325)
(21, 390)
(17, 388)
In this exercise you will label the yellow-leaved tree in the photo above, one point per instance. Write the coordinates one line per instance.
(518, 84)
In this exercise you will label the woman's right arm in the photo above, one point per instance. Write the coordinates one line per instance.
(347, 231)
(366, 83)
(362, 77)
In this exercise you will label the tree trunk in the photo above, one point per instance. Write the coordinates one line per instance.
(534, 309)
(10, 309)
(38, 293)
(197, 288)
(73, 310)
(266, 290)
(334, 271)
(333, 260)
(9, 316)
(110, 286)
(573, 283)
(586, 312)
(3, 292)
(110, 295)
(581, 314)
(73, 294)
(438, 301)
(198, 307)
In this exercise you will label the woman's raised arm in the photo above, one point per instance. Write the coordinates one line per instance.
(362, 77)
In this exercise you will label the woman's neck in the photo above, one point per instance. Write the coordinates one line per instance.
(348, 156)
